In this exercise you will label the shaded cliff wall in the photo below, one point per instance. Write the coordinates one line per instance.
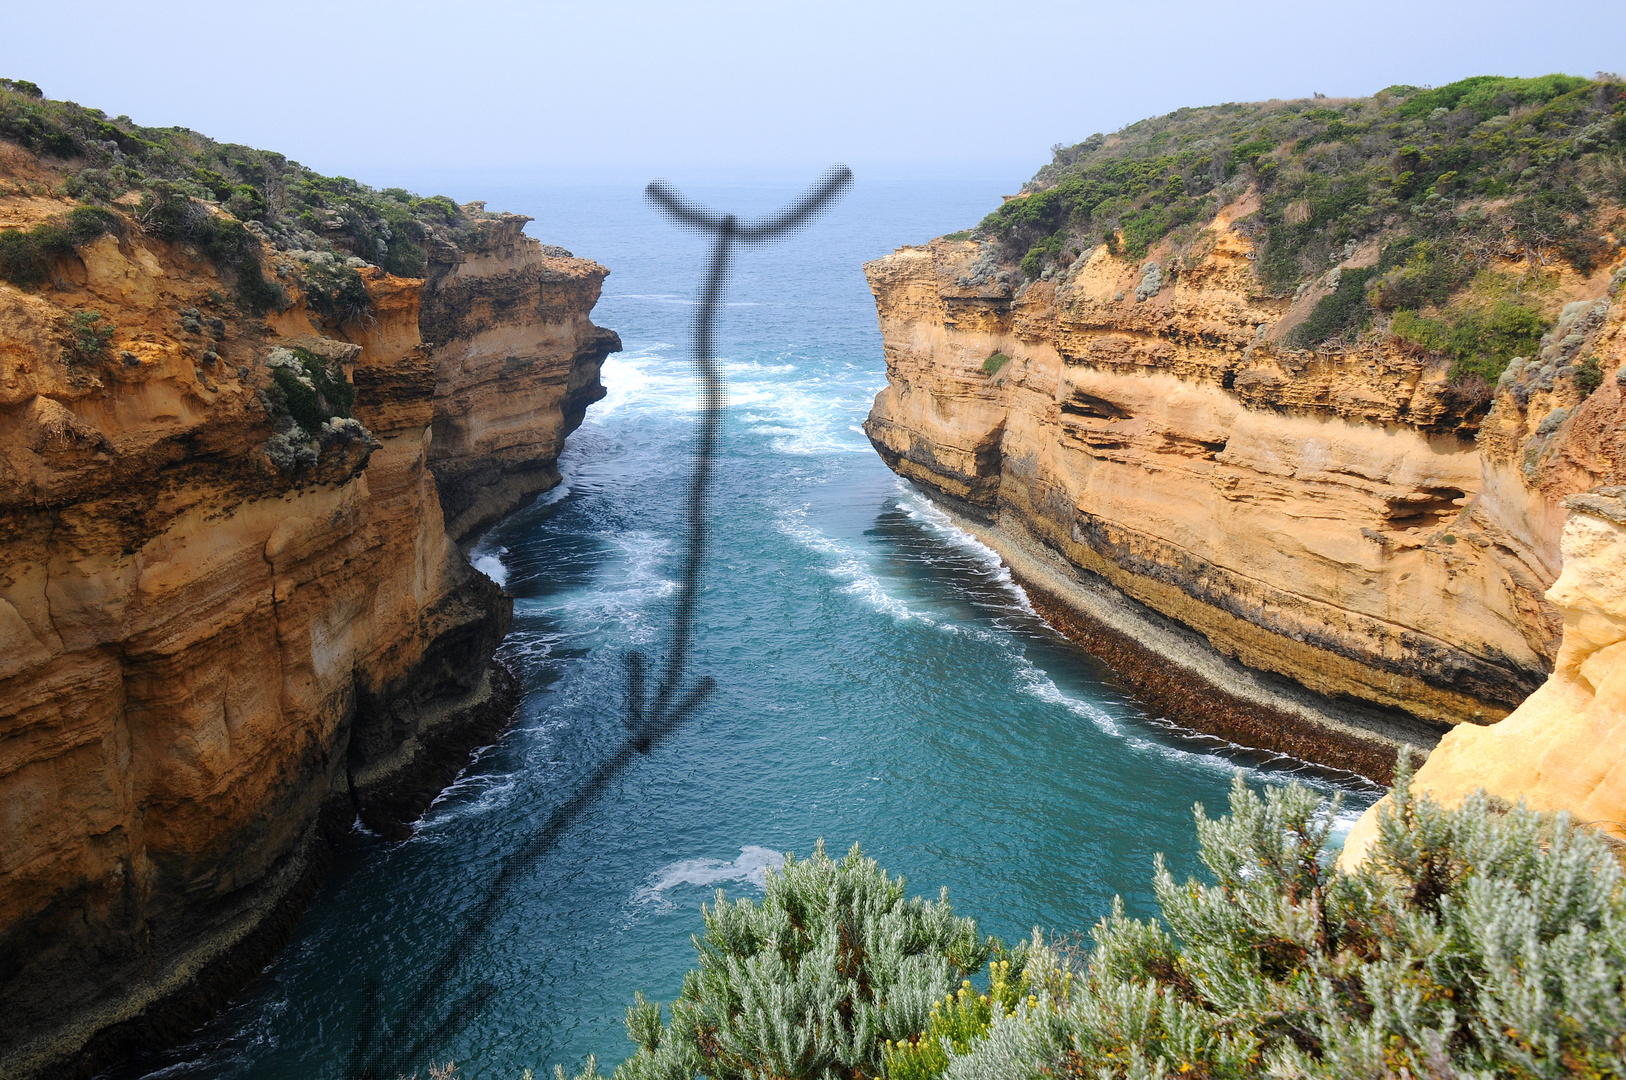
(516, 361)
(1564, 749)
(208, 662)
(1330, 517)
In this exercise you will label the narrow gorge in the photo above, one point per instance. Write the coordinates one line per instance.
(234, 614)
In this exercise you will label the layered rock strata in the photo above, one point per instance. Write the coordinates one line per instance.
(516, 365)
(211, 662)
(1333, 518)
(1564, 749)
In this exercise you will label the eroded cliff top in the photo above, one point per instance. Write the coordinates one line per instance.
(1446, 219)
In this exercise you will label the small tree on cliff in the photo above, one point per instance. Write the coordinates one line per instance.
(1476, 942)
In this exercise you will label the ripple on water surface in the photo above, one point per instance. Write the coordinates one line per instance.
(880, 679)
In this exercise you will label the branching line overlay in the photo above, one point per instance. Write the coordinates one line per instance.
(383, 1049)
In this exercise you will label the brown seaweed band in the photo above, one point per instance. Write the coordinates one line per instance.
(382, 1050)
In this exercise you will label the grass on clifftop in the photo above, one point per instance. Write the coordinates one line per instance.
(1444, 181)
(176, 183)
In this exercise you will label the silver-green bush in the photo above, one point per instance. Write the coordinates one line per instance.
(1480, 941)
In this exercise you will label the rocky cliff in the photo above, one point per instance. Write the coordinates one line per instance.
(1347, 519)
(516, 365)
(1564, 748)
(232, 617)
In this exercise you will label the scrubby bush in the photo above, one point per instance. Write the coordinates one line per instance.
(995, 361)
(1588, 376)
(89, 334)
(26, 254)
(1446, 182)
(335, 289)
(1343, 310)
(312, 389)
(1483, 941)
(1480, 338)
(833, 965)
(292, 207)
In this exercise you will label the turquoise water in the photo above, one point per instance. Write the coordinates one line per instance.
(879, 680)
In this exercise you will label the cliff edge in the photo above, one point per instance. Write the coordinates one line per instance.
(1234, 390)
(232, 615)
(1564, 748)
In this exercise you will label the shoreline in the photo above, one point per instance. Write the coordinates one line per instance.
(198, 986)
(1177, 673)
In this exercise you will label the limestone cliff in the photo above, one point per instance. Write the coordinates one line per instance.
(1330, 516)
(225, 629)
(1564, 749)
(516, 365)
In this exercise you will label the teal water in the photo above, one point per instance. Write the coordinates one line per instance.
(880, 680)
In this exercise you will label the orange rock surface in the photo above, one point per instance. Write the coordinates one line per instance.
(1564, 749)
(1338, 518)
(207, 663)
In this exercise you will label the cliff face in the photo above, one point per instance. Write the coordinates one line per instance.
(215, 651)
(516, 362)
(1335, 517)
(1565, 747)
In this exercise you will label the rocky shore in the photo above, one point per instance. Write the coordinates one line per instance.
(230, 627)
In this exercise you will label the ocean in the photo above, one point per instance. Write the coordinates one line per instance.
(879, 681)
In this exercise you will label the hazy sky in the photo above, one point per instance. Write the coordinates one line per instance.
(585, 90)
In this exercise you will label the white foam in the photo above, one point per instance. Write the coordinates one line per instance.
(491, 565)
(1036, 682)
(849, 567)
(751, 867)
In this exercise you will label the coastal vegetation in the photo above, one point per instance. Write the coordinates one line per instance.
(223, 199)
(1480, 941)
(1414, 194)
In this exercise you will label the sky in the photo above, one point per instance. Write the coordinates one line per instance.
(587, 91)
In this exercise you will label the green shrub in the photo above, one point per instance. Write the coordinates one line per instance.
(1482, 941)
(1340, 311)
(1588, 376)
(957, 1023)
(23, 87)
(1520, 168)
(995, 361)
(26, 254)
(1480, 339)
(815, 981)
(335, 290)
(89, 335)
(312, 389)
(1490, 94)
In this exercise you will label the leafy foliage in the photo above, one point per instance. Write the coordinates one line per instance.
(995, 361)
(185, 179)
(1484, 167)
(311, 389)
(1480, 338)
(1342, 310)
(958, 1022)
(1475, 942)
(26, 254)
(1588, 376)
(89, 333)
(815, 981)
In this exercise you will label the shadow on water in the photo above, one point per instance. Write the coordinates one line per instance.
(879, 680)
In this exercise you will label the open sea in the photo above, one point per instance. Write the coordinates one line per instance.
(879, 680)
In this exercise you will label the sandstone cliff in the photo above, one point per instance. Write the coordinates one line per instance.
(1332, 516)
(224, 630)
(1564, 749)
(516, 365)
(1285, 398)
